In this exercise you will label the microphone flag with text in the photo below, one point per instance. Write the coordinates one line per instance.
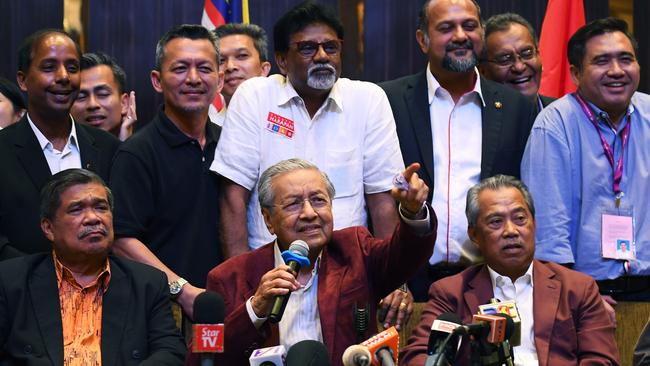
(269, 356)
(208, 331)
(295, 257)
(488, 336)
(505, 307)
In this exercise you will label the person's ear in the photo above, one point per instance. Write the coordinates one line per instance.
(266, 213)
(156, 81)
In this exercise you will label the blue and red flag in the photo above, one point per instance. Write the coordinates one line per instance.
(218, 12)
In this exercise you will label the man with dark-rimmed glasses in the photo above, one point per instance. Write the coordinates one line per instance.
(512, 56)
(344, 126)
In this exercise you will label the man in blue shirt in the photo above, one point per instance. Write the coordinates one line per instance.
(586, 163)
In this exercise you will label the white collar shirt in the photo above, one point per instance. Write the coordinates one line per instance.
(351, 137)
(521, 291)
(68, 158)
(456, 129)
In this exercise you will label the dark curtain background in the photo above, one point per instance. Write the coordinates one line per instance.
(129, 30)
(642, 33)
(18, 19)
(391, 50)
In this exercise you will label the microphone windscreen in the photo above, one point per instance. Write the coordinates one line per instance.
(209, 308)
(356, 355)
(299, 247)
(307, 353)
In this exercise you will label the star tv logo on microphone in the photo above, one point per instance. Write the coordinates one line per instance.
(209, 338)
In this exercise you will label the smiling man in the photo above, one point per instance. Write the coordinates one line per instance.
(460, 126)
(348, 267)
(102, 100)
(165, 196)
(46, 140)
(586, 163)
(344, 126)
(512, 56)
(563, 319)
(77, 305)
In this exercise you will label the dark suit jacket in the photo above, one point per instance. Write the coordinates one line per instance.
(25, 171)
(137, 323)
(571, 324)
(355, 268)
(505, 128)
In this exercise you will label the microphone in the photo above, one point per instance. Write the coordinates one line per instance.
(381, 347)
(295, 257)
(207, 333)
(308, 353)
(509, 308)
(491, 328)
(443, 343)
(356, 355)
(269, 356)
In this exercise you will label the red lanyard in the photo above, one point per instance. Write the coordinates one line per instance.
(625, 133)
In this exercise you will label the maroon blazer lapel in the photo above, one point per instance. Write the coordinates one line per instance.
(330, 275)
(479, 292)
(546, 299)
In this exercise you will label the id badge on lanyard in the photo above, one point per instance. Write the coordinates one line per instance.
(617, 222)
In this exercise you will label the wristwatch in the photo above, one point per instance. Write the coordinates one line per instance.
(175, 287)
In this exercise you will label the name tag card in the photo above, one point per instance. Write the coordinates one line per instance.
(617, 239)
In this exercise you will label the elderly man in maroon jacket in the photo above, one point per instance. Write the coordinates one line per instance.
(563, 319)
(347, 268)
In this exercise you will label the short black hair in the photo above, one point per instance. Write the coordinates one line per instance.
(577, 47)
(257, 34)
(502, 22)
(301, 16)
(423, 17)
(10, 91)
(189, 31)
(60, 182)
(26, 49)
(90, 60)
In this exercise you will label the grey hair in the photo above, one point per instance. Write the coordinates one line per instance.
(189, 31)
(60, 182)
(494, 183)
(265, 185)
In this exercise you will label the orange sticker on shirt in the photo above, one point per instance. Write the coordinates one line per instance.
(280, 125)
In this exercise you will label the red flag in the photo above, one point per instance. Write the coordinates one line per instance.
(562, 19)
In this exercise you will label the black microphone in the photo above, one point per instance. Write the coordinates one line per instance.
(207, 332)
(307, 353)
(296, 257)
(443, 342)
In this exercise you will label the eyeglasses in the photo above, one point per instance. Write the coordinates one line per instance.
(297, 204)
(509, 59)
(310, 48)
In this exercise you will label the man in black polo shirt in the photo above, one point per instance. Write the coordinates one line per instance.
(166, 210)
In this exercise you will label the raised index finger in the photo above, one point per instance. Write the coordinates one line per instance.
(408, 172)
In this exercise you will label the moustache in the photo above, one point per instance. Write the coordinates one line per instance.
(467, 45)
(320, 67)
(92, 229)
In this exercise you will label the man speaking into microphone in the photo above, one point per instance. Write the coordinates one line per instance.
(346, 267)
(563, 319)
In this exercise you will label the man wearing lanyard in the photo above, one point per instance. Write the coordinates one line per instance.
(586, 164)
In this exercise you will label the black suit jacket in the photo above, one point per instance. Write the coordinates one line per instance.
(25, 171)
(137, 323)
(507, 119)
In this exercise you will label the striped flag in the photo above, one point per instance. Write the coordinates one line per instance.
(218, 12)
(562, 19)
